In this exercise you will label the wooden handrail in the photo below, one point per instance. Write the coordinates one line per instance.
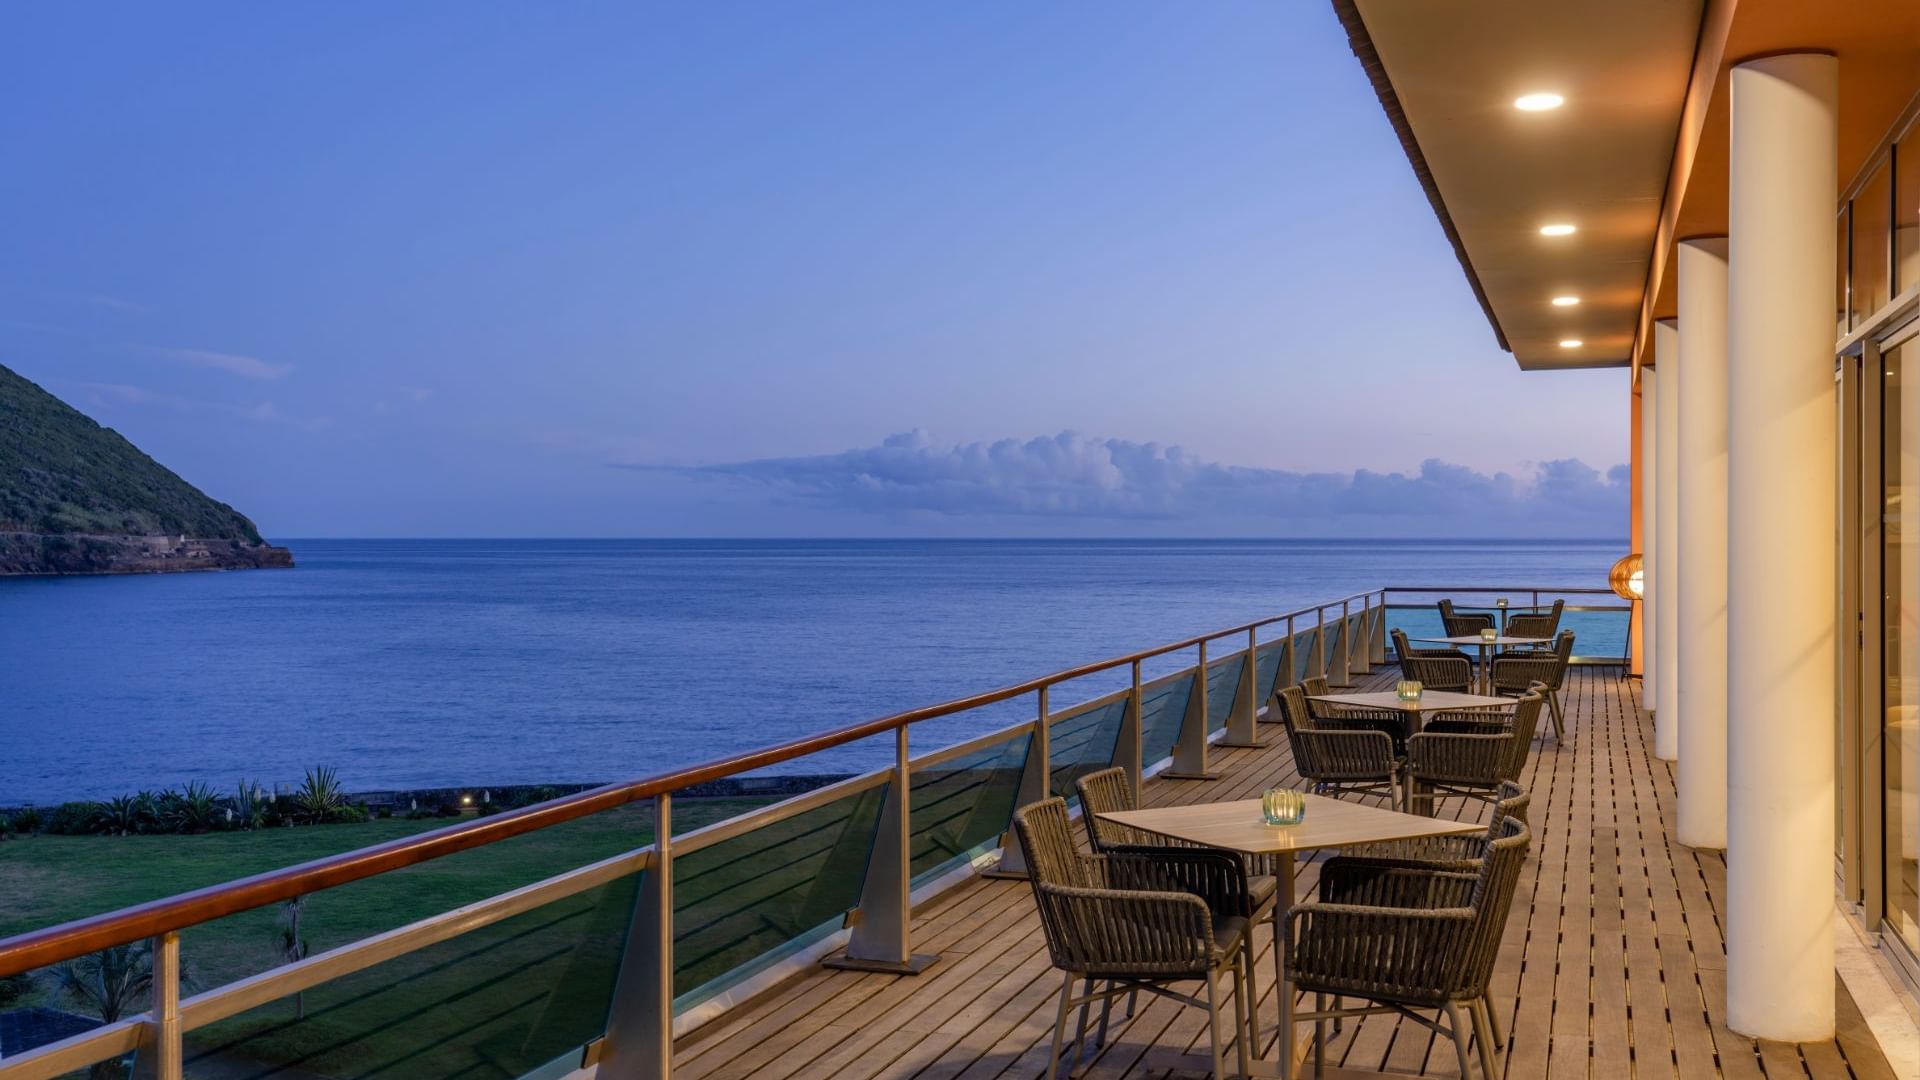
(66, 941)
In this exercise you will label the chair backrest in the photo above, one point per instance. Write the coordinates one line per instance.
(1439, 672)
(1562, 651)
(1493, 899)
(1511, 803)
(1046, 839)
(1315, 684)
(1105, 792)
(1526, 719)
(1458, 625)
(1292, 703)
(1401, 649)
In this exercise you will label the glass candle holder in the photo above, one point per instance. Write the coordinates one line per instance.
(1407, 689)
(1489, 635)
(1279, 806)
(1501, 603)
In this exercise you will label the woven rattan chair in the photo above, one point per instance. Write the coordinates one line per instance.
(1412, 941)
(1434, 669)
(1402, 650)
(1515, 675)
(1473, 765)
(1461, 854)
(1315, 684)
(1459, 625)
(1540, 624)
(1337, 761)
(1137, 922)
(1107, 791)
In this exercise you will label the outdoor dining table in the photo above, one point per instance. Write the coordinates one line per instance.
(1416, 710)
(1486, 647)
(1240, 827)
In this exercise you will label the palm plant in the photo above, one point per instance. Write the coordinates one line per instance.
(124, 815)
(320, 798)
(109, 984)
(192, 809)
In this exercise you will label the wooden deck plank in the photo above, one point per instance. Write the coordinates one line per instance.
(1613, 963)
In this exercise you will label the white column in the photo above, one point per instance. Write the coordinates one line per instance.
(1666, 709)
(1649, 538)
(1780, 566)
(1702, 592)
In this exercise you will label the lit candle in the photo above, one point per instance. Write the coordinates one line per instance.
(1489, 635)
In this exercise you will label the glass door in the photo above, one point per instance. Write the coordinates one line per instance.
(1900, 570)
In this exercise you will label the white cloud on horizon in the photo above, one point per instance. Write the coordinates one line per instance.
(1117, 480)
(247, 367)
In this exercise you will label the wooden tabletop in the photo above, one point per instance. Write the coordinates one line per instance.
(1476, 639)
(1238, 826)
(1429, 701)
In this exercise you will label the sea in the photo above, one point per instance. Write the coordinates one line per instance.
(442, 663)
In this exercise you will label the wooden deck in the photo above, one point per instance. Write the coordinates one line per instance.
(1612, 967)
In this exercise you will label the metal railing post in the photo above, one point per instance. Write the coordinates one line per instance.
(1132, 750)
(1289, 663)
(1339, 673)
(1317, 663)
(1190, 752)
(1035, 780)
(882, 932)
(1241, 729)
(1360, 657)
(639, 1042)
(1379, 636)
(160, 1056)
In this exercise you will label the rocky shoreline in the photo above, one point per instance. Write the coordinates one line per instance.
(24, 554)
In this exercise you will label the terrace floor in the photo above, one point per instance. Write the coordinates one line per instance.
(1612, 966)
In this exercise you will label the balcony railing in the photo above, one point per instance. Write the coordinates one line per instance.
(604, 962)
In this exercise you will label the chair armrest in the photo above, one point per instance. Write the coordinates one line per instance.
(1217, 877)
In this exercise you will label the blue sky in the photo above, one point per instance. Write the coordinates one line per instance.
(766, 269)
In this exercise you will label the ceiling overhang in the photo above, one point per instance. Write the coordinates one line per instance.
(1448, 75)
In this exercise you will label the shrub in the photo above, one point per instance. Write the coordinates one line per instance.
(248, 803)
(489, 807)
(72, 819)
(6, 826)
(420, 813)
(27, 821)
(193, 809)
(125, 815)
(320, 798)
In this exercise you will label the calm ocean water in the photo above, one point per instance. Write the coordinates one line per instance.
(424, 663)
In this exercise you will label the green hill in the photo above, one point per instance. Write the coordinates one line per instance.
(62, 477)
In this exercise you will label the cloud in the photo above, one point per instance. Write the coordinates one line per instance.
(247, 367)
(1116, 480)
(101, 395)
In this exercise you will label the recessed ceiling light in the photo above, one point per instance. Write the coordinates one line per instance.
(1565, 301)
(1557, 229)
(1538, 102)
(1571, 343)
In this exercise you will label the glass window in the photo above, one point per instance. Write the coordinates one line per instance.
(1900, 567)
(1872, 232)
(1906, 211)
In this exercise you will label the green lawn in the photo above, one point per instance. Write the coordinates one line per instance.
(495, 1002)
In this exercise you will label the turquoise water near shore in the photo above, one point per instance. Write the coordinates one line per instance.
(415, 663)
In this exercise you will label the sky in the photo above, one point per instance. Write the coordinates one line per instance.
(766, 269)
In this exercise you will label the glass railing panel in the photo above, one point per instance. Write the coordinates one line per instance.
(505, 1000)
(1305, 644)
(1598, 635)
(1083, 743)
(1266, 669)
(962, 807)
(1335, 634)
(1163, 709)
(1223, 682)
(1417, 622)
(747, 900)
